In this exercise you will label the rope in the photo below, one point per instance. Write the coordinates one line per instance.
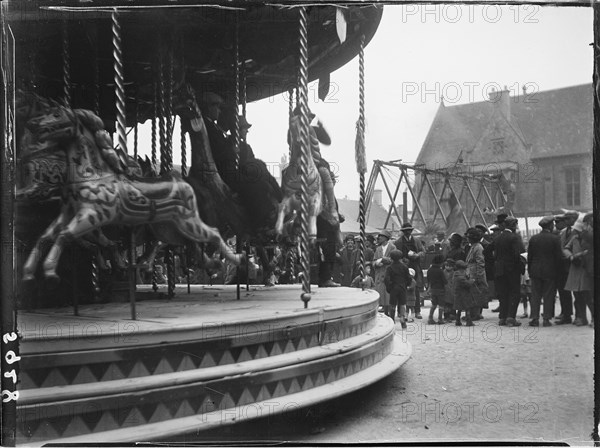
(304, 153)
(119, 81)
(66, 65)
(361, 163)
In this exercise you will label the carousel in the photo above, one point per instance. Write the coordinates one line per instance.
(91, 353)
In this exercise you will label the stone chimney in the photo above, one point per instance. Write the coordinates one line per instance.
(501, 99)
(377, 197)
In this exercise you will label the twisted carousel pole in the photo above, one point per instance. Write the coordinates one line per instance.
(122, 136)
(66, 64)
(361, 159)
(236, 136)
(302, 98)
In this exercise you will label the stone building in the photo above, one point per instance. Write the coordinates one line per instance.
(541, 142)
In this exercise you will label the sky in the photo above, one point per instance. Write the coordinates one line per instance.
(419, 54)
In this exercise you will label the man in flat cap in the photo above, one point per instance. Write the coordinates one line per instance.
(508, 248)
(413, 251)
(564, 224)
(381, 260)
(544, 260)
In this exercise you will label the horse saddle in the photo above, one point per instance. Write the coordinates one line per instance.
(155, 188)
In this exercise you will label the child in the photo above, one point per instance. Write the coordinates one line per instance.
(437, 284)
(411, 299)
(463, 298)
(449, 291)
(396, 279)
(525, 288)
(369, 282)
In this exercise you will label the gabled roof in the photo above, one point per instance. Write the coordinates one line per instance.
(554, 122)
(376, 216)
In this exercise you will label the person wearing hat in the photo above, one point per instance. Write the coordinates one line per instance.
(440, 244)
(544, 260)
(500, 220)
(564, 224)
(581, 275)
(348, 260)
(508, 268)
(413, 251)
(397, 279)
(463, 294)
(381, 260)
(222, 149)
(488, 253)
(476, 271)
(318, 135)
(455, 249)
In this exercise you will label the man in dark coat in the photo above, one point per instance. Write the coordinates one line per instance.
(413, 251)
(508, 248)
(564, 225)
(544, 260)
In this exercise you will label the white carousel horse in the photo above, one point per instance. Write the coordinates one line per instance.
(98, 192)
(290, 184)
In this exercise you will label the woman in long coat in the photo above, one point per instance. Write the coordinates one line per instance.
(476, 271)
(381, 260)
(580, 279)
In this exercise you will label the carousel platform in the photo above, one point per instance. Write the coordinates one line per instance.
(195, 362)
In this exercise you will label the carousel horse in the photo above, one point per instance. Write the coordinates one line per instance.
(99, 191)
(250, 211)
(290, 181)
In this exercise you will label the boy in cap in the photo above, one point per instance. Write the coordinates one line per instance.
(397, 278)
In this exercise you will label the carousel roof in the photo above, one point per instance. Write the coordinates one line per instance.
(193, 43)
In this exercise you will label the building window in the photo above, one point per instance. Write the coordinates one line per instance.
(573, 184)
(497, 145)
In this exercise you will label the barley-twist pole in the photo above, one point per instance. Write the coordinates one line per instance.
(304, 154)
(361, 160)
(66, 65)
(183, 150)
(122, 136)
(164, 153)
(291, 114)
(153, 154)
(119, 81)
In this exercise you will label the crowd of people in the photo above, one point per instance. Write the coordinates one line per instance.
(469, 271)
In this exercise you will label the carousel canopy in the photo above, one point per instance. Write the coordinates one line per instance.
(192, 44)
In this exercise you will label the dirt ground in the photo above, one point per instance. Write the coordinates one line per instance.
(481, 383)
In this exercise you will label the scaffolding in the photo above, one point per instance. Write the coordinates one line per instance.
(471, 197)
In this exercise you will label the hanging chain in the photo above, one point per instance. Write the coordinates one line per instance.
(304, 154)
(169, 108)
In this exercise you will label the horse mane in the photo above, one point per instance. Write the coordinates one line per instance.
(116, 158)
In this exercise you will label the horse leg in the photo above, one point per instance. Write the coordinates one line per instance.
(37, 252)
(284, 207)
(81, 224)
